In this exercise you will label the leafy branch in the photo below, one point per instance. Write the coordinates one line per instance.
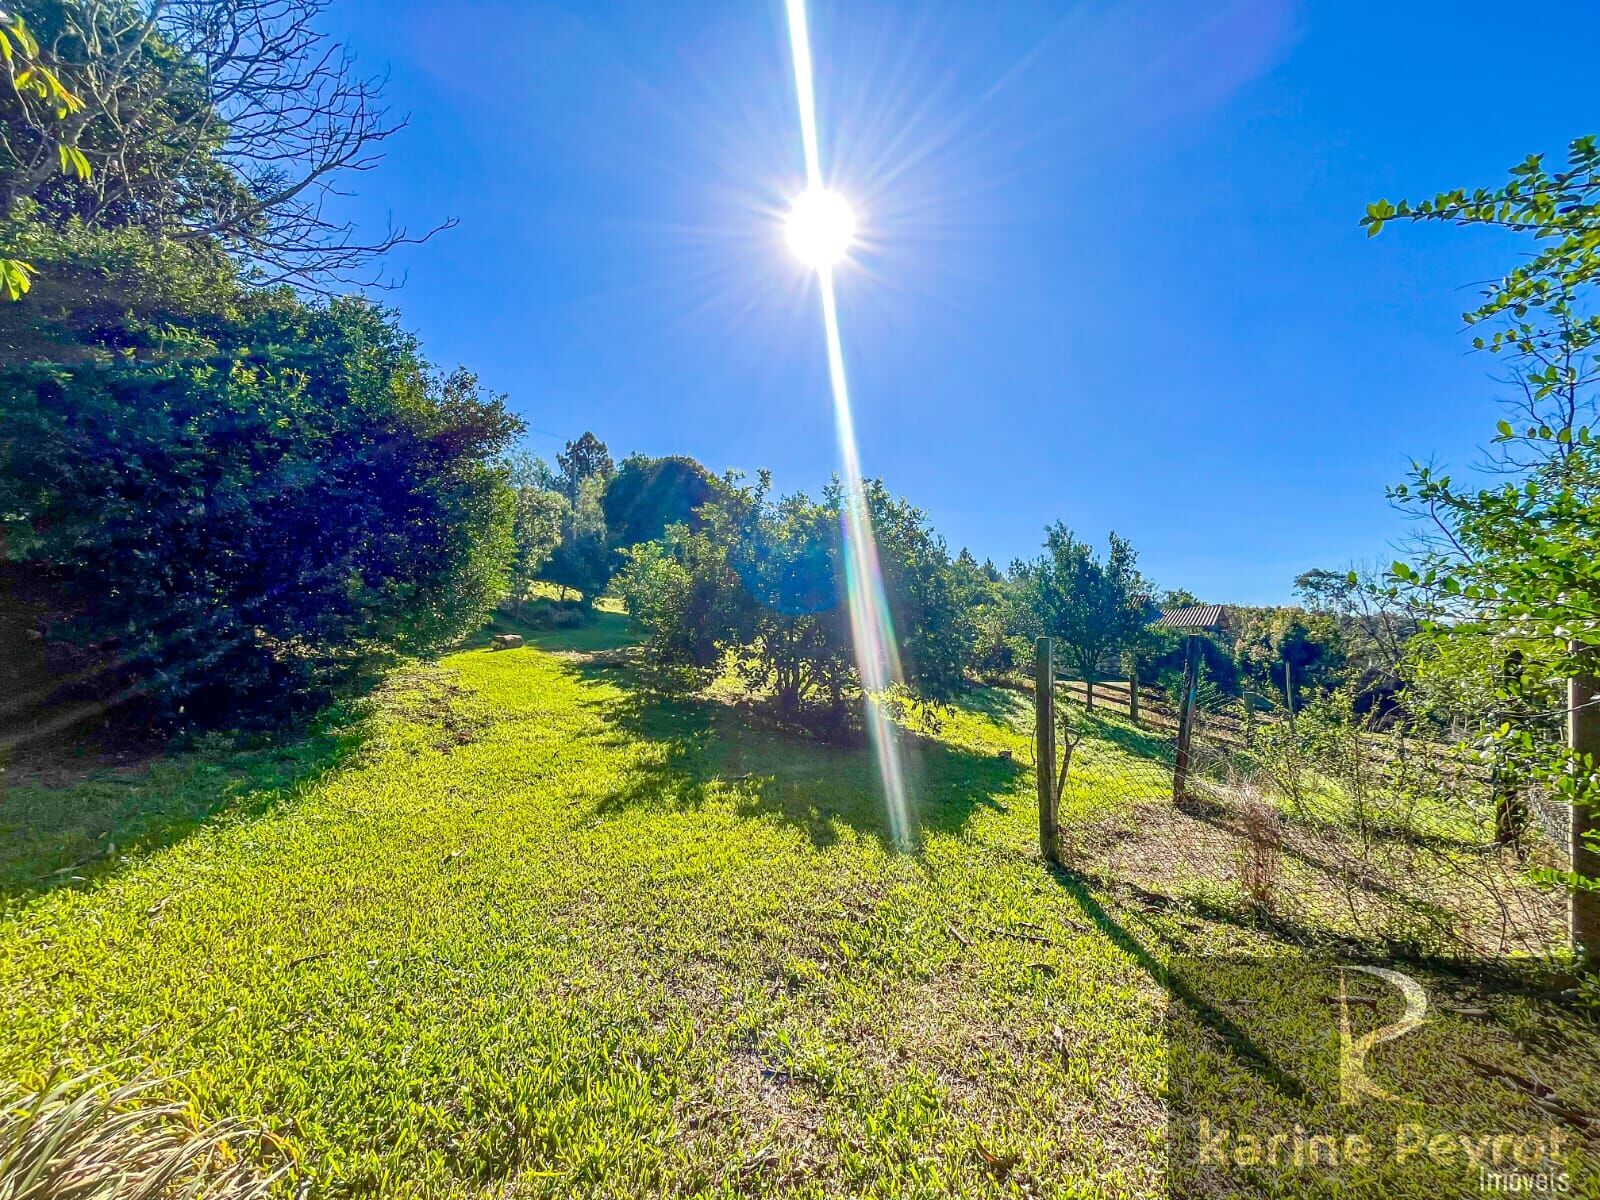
(30, 77)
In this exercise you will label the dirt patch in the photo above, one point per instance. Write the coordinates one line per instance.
(432, 698)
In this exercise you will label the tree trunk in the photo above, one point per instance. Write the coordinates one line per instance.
(1509, 810)
(1583, 738)
(837, 714)
(788, 692)
(1088, 691)
(1510, 806)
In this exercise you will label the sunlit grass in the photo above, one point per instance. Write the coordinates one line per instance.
(524, 930)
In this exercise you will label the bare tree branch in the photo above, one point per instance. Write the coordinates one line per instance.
(227, 119)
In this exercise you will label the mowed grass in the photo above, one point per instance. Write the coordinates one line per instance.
(520, 930)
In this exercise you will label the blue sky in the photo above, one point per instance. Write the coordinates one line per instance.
(1110, 269)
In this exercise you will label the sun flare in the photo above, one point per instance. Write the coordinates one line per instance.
(820, 228)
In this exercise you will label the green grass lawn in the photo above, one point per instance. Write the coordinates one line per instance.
(520, 930)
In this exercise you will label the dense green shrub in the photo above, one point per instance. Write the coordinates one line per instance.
(232, 537)
(648, 494)
(103, 293)
(765, 580)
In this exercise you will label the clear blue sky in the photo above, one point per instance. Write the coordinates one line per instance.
(1112, 271)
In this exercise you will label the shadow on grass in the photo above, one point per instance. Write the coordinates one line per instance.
(1504, 977)
(76, 832)
(1350, 873)
(1399, 831)
(1254, 1057)
(601, 630)
(704, 749)
(1139, 742)
(999, 704)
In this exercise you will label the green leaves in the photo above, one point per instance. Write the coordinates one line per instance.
(16, 277)
(73, 161)
(179, 511)
(1377, 216)
(19, 54)
(1561, 211)
(1094, 606)
(767, 581)
(1511, 580)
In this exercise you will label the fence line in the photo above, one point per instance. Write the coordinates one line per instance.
(1221, 738)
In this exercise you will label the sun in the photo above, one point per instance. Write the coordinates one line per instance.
(820, 227)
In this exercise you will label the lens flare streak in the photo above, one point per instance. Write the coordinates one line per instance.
(877, 655)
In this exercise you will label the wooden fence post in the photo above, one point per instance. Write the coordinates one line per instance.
(1044, 733)
(1510, 808)
(1180, 765)
(1133, 692)
(1583, 737)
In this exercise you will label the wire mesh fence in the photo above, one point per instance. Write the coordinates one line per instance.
(1128, 748)
(1134, 738)
(1320, 818)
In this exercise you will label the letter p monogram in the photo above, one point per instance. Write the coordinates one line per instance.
(1353, 1081)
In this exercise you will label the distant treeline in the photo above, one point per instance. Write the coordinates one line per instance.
(719, 574)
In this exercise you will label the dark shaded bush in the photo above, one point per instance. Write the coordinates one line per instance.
(230, 538)
(648, 494)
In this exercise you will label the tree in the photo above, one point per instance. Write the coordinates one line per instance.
(541, 517)
(648, 494)
(1375, 628)
(1546, 335)
(536, 532)
(582, 565)
(1286, 648)
(34, 83)
(235, 538)
(583, 561)
(681, 593)
(226, 120)
(766, 579)
(982, 594)
(584, 459)
(928, 603)
(1144, 655)
(1509, 573)
(1093, 607)
(530, 470)
(789, 556)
